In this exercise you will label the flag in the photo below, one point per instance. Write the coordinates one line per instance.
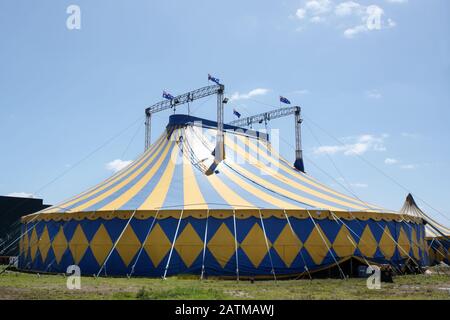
(237, 114)
(167, 96)
(211, 78)
(284, 100)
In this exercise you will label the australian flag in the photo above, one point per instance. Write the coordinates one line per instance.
(167, 96)
(211, 78)
(236, 113)
(284, 100)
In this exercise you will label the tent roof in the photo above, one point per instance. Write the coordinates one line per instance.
(432, 227)
(170, 175)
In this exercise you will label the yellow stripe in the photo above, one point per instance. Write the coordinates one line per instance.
(105, 184)
(130, 193)
(287, 181)
(280, 190)
(231, 197)
(192, 194)
(156, 198)
(123, 183)
(258, 193)
(293, 173)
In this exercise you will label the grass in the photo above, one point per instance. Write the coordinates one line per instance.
(15, 285)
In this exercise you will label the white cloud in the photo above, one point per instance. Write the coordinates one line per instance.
(117, 165)
(374, 94)
(390, 161)
(301, 13)
(317, 19)
(352, 184)
(315, 9)
(359, 185)
(253, 93)
(20, 195)
(318, 7)
(350, 16)
(350, 33)
(408, 166)
(357, 146)
(348, 8)
(397, 1)
(391, 23)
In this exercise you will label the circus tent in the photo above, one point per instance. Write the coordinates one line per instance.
(437, 236)
(254, 215)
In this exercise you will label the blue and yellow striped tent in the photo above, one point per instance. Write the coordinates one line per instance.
(437, 236)
(254, 216)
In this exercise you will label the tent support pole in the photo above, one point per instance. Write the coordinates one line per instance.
(143, 244)
(204, 245)
(267, 245)
(326, 244)
(418, 246)
(236, 245)
(301, 254)
(173, 245)
(336, 218)
(367, 262)
(115, 243)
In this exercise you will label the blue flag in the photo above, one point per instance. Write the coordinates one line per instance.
(211, 78)
(237, 114)
(284, 100)
(167, 96)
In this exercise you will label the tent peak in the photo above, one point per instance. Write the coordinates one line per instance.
(410, 200)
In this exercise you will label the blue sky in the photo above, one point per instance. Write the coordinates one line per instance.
(384, 93)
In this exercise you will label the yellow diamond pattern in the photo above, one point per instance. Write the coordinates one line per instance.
(21, 245)
(367, 243)
(157, 245)
(387, 244)
(189, 245)
(440, 253)
(33, 244)
(25, 243)
(254, 245)
(128, 245)
(287, 245)
(431, 255)
(403, 244)
(101, 244)
(415, 247)
(344, 244)
(317, 246)
(78, 244)
(222, 245)
(423, 244)
(44, 244)
(59, 245)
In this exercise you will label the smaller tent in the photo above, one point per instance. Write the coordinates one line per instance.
(437, 236)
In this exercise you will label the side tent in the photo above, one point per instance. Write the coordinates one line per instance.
(437, 236)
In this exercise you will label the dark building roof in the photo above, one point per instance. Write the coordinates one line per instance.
(11, 210)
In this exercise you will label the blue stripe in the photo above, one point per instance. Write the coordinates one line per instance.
(253, 169)
(129, 185)
(97, 194)
(294, 174)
